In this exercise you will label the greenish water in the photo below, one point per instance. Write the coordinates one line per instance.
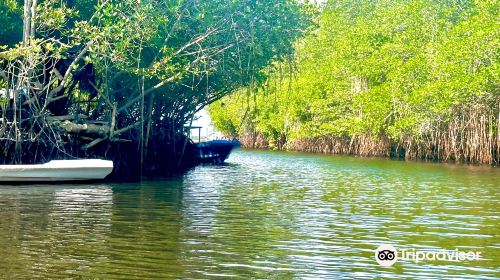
(262, 215)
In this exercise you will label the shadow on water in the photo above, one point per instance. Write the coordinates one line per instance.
(260, 215)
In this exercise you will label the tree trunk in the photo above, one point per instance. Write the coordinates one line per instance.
(32, 18)
(27, 21)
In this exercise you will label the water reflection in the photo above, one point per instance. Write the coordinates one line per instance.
(45, 229)
(262, 215)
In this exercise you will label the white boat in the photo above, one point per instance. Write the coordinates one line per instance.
(57, 170)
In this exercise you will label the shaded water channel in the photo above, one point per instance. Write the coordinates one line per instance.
(261, 215)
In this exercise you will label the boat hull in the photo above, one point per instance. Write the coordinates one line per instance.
(58, 170)
(216, 151)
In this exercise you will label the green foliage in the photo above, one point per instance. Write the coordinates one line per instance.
(11, 19)
(227, 114)
(379, 68)
(189, 53)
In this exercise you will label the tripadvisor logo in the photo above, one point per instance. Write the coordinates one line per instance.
(387, 255)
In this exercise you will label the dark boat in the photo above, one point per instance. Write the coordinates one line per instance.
(215, 151)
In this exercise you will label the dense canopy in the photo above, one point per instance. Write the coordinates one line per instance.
(414, 79)
(80, 76)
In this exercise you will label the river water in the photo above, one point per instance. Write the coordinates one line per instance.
(261, 215)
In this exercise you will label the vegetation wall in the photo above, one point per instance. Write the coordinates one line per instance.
(410, 79)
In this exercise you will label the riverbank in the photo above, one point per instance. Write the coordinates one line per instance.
(453, 150)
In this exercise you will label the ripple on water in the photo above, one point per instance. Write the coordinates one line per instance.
(261, 215)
